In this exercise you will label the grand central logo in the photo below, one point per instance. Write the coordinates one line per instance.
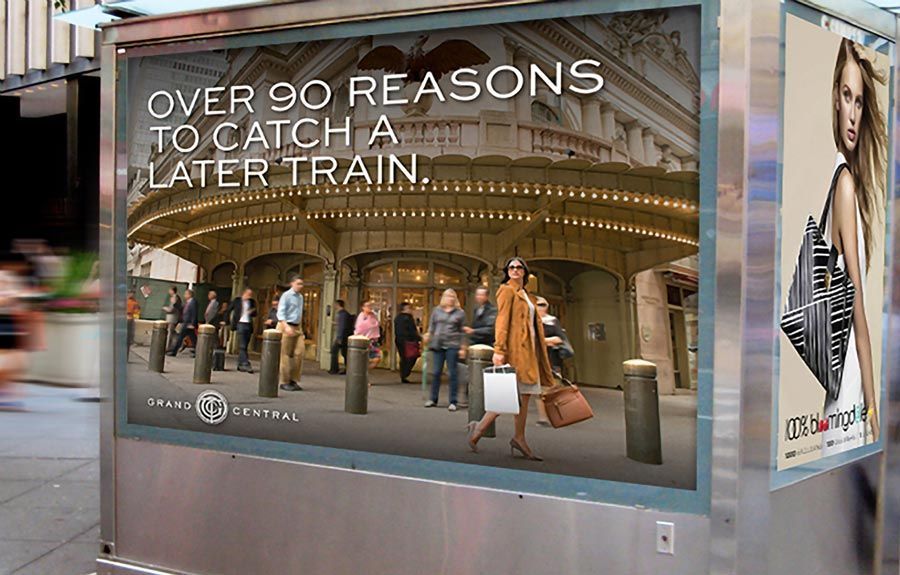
(213, 408)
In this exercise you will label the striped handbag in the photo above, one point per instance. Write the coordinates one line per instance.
(818, 314)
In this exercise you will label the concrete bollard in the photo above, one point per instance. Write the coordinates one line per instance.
(643, 441)
(206, 343)
(158, 337)
(269, 362)
(356, 388)
(479, 358)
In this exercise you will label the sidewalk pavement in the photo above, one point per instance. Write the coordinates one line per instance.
(50, 483)
(398, 424)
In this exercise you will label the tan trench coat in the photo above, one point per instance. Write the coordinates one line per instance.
(513, 337)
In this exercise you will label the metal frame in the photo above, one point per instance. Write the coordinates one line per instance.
(799, 473)
(695, 501)
(737, 218)
(752, 529)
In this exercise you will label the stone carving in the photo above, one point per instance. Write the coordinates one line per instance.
(641, 31)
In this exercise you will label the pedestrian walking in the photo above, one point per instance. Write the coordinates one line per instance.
(367, 325)
(483, 319)
(188, 323)
(445, 341)
(519, 342)
(342, 330)
(407, 340)
(132, 313)
(293, 340)
(172, 309)
(211, 315)
(240, 316)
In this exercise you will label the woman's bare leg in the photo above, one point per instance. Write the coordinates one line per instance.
(488, 418)
(522, 419)
(542, 410)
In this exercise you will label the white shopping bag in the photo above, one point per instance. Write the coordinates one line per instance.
(501, 394)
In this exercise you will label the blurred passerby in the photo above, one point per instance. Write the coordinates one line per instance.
(556, 341)
(188, 323)
(293, 340)
(407, 338)
(519, 343)
(342, 330)
(445, 341)
(367, 325)
(483, 319)
(132, 312)
(554, 335)
(240, 316)
(211, 315)
(13, 335)
(172, 309)
(272, 318)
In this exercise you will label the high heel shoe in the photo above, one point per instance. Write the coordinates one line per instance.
(527, 454)
(473, 437)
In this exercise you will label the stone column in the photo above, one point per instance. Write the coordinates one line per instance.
(635, 133)
(608, 121)
(591, 122)
(353, 289)
(689, 164)
(360, 110)
(522, 61)
(326, 330)
(626, 327)
(651, 158)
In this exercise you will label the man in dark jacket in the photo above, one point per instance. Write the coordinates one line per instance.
(407, 339)
(188, 322)
(483, 320)
(342, 330)
(172, 309)
(240, 314)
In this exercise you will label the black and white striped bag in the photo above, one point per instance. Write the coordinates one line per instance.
(819, 310)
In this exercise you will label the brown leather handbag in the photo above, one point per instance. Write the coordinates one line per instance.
(565, 404)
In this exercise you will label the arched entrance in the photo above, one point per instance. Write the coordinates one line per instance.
(419, 278)
(270, 274)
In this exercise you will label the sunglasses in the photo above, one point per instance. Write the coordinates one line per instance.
(515, 267)
(542, 305)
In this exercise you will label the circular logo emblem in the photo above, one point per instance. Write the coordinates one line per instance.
(212, 407)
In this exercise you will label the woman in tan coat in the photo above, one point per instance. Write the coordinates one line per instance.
(519, 341)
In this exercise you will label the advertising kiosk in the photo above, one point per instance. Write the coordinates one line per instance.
(684, 208)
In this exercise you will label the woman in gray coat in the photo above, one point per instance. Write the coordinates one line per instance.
(445, 340)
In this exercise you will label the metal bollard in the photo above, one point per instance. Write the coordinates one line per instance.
(157, 359)
(642, 435)
(206, 343)
(356, 388)
(269, 362)
(479, 358)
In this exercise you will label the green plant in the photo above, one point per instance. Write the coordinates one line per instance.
(68, 293)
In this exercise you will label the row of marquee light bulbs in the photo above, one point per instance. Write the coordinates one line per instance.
(677, 205)
(576, 221)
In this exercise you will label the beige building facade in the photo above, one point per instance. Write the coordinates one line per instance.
(598, 194)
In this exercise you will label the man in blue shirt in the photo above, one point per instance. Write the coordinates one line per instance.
(290, 319)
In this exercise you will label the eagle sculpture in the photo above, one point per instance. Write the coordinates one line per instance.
(447, 57)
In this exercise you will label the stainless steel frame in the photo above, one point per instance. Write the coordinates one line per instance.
(220, 512)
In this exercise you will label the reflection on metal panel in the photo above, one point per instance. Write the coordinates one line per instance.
(59, 42)
(15, 26)
(3, 37)
(84, 38)
(283, 517)
(37, 35)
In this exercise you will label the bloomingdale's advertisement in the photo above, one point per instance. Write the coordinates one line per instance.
(832, 243)
(531, 186)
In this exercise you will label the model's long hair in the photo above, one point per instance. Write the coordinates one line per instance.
(868, 162)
